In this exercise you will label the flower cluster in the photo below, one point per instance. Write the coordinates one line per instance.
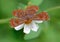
(28, 19)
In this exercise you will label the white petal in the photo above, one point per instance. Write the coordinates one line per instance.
(19, 27)
(34, 26)
(38, 21)
(27, 28)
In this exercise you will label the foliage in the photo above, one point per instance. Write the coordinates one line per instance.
(49, 30)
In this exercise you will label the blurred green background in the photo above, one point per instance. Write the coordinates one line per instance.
(49, 31)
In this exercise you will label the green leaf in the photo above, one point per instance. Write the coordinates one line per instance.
(21, 6)
(8, 6)
(49, 4)
(32, 34)
(54, 16)
(8, 34)
(36, 2)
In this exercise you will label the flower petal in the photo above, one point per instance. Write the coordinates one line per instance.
(42, 16)
(19, 27)
(34, 26)
(32, 9)
(27, 28)
(16, 22)
(18, 13)
(38, 21)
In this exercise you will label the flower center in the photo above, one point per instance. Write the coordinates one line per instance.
(28, 21)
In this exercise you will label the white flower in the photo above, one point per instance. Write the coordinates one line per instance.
(27, 27)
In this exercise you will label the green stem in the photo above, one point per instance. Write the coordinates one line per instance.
(52, 8)
(4, 20)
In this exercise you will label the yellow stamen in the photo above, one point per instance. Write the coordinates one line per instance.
(28, 21)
